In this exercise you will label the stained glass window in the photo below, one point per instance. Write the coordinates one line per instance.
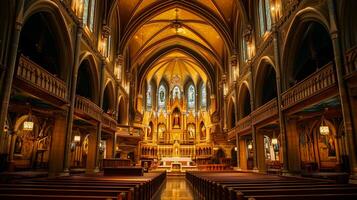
(191, 97)
(264, 16)
(149, 97)
(176, 93)
(88, 14)
(203, 96)
(162, 97)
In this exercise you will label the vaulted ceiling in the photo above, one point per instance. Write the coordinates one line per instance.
(196, 29)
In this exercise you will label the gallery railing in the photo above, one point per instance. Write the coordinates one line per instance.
(86, 107)
(266, 111)
(109, 122)
(317, 82)
(34, 74)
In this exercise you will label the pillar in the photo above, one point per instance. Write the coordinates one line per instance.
(243, 154)
(10, 70)
(72, 97)
(58, 145)
(238, 151)
(345, 104)
(260, 151)
(292, 141)
(92, 152)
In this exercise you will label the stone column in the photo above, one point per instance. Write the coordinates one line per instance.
(238, 151)
(72, 97)
(345, 104)
(260, 151)
(58, 145)
(92, 152)
(10, 70)
(99, 126)
(279, 87)
(292, 140)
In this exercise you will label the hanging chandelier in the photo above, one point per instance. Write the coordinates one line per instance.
(324, 129)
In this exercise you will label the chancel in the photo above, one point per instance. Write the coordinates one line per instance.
(178, 99)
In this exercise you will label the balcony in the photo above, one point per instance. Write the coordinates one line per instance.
(39, 81)
(108, 122)
(265, 112)
(87, 109)
(315, 84)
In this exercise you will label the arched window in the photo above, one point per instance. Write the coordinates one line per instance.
(203, 96)
(245, 50)
(88, 14)
(176, 93)
(191, 97)
(149, 97)
(264, 16)
(162, 97)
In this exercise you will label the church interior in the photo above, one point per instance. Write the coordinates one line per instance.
(178, 99)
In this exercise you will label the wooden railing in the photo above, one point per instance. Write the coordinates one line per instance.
(312, 85)
(32, 73)
(351, 60)
(109, 122)
(87, 107)
(266, 111)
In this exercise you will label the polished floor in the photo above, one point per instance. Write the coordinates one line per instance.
(176, 188)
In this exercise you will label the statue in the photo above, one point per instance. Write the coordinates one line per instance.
(176, 120)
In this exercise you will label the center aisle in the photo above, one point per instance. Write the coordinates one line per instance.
(176, 188)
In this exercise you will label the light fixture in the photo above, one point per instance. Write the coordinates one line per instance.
(250, 146)
(28, 124)
(235, 149)
(274, 141)
(324, 129)
(77, 138)
(176, 24)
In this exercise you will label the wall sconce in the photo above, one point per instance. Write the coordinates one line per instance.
(77, 138)
(235, 149)
(324, 129)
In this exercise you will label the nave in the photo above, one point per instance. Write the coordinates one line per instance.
(102, 99)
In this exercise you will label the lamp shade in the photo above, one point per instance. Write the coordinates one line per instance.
(250, 146)
(274, 141)
(28, 126)
(324, 130)
(77, 138)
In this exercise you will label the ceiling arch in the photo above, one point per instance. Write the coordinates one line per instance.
(176, 57)
(194, 13)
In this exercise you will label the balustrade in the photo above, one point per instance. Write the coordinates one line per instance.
(32, 73)
(266, 111)
(317, 82)
(87, 107)
(109, 122)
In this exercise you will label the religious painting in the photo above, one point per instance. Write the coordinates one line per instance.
(161, 130)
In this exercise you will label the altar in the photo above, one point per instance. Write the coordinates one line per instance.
(176, 164)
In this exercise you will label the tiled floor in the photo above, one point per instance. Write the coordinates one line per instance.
(176, 188)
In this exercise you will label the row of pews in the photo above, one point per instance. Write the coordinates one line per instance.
(85, 187)
(250, 186)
